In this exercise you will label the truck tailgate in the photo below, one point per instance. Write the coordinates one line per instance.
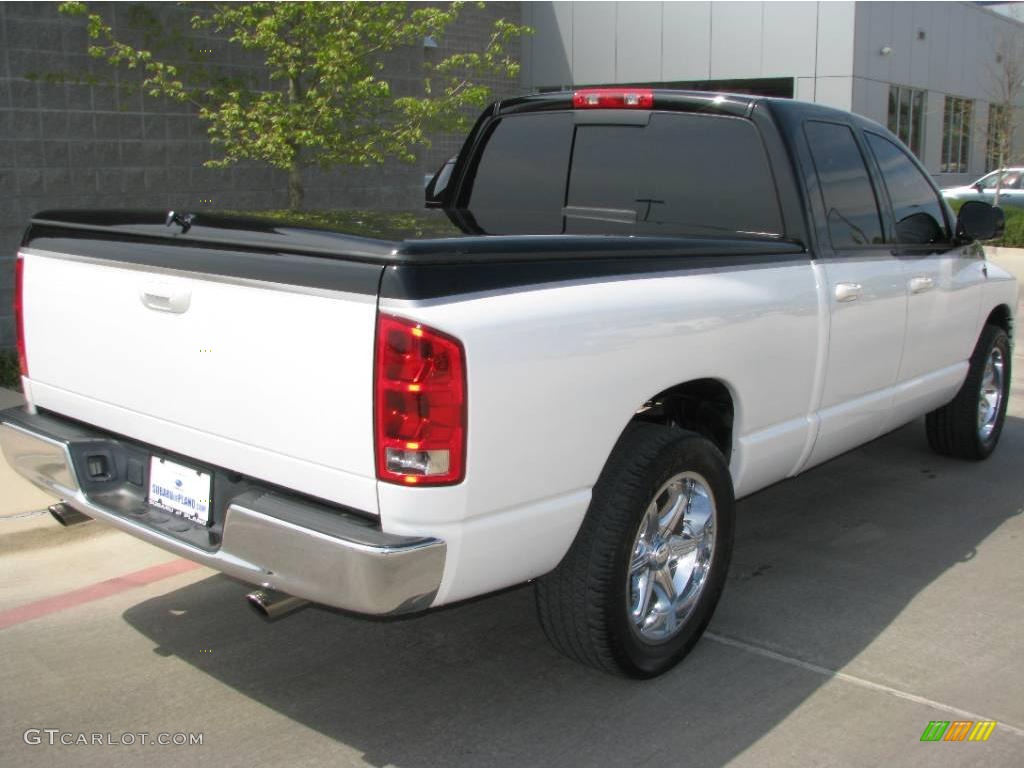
(267, 379)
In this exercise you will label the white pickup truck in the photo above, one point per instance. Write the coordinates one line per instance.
(628, 308)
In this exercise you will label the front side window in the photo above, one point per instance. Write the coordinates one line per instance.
(956, 135)
(906, 116)
(1011, 180)
(989, 181)
(916, 207)
(850, 206)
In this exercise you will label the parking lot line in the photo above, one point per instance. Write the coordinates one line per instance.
(858, 681)
(98, 591)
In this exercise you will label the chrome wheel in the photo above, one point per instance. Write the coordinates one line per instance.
(990, 396)
(672, 555)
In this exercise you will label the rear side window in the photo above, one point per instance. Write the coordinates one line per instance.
(524, 164)
(850, 205)
(679, 174)
(915, 205)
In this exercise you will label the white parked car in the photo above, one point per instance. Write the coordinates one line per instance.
(984, 189)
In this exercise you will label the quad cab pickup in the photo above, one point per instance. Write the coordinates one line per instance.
(626, 309)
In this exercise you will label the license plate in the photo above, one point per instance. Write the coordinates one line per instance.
(179, 489)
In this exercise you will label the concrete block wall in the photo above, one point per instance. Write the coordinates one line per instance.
(94, 146)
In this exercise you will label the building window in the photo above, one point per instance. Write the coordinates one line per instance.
(906, 116)
(956, 135)
(993, 141)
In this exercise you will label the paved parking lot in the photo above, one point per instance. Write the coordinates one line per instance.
(868, 597)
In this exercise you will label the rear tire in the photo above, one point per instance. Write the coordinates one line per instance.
(969, 426)
(645, 572)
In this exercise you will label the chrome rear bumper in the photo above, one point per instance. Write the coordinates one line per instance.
(269, 539)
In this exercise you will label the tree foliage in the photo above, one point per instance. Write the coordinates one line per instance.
(323, 98)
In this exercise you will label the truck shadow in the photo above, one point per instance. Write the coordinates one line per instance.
(823, 564)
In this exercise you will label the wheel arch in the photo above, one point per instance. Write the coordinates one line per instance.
(707, 406)
(1002, 317)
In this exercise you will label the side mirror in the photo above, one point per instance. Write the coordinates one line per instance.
(980, 221)
(919, 228)
(977, 185)
(434, 194)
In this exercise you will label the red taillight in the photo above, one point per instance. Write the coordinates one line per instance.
(613, 98)
(420, 409)
(19, 313)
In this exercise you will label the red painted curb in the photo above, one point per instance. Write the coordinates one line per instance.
(75, 597)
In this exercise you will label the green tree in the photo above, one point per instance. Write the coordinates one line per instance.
(324, 99)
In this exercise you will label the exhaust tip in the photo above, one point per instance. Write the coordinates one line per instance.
(67, 516)
(271, 604)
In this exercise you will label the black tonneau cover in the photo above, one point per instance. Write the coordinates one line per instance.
(401, 237)
(436, 260)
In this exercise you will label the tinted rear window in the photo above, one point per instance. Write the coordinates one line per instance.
(680, 174)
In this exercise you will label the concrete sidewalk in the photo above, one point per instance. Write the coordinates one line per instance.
(1010, 259)
(9, 398)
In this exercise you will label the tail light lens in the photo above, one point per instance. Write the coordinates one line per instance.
(613, 98)
(420, 410)
(19, 313)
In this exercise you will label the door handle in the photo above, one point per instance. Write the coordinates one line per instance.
(848, 291)
(166, 298)
(920, 284)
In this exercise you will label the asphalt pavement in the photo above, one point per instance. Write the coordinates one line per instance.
(867, 598)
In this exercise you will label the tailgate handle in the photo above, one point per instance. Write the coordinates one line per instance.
(165, 298)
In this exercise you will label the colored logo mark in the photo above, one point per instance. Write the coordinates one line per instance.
(958, 730)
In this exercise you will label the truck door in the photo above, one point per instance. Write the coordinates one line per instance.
(942, 285)
(865, 288)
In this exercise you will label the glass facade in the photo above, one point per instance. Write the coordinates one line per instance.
(906, 116)
(956, 135)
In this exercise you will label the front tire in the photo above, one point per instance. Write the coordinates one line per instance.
(642, 579)
(970, 425)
